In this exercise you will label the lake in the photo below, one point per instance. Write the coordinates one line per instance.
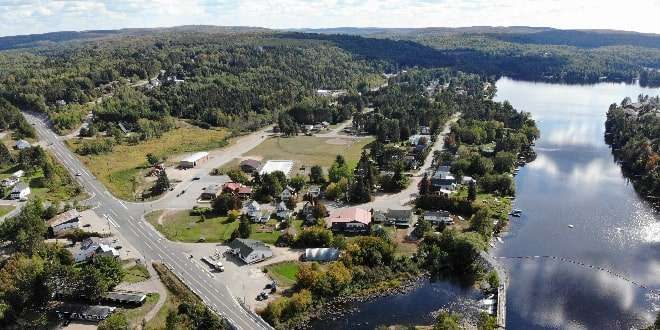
(573, 181)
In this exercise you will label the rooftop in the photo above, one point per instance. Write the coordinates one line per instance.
(271, 166)
(195, 157)
(350, 215)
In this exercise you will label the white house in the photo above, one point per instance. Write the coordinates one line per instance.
(249, 250)
(9, 182)
(252, 209)
(283, 212)
(22, 144)
(18, 174)
(287, 193)
(93, 247)
(21, 191)
(64, 221)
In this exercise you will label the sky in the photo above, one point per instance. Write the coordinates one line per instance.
(39, 16)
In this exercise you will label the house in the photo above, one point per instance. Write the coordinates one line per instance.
(244, 192)
(211, 192)
(250, 165)
(410, 162)
(84, 312)
(92, 247)
(379, 216)
(155, 82)
(64, 221)
(442, 180)
(60, 103)
(325, 124)
(321, 254)
(418, 139)
(126, 297)
(437, 218)
(20, 191)
(249, 250)
(263, 217)
(9, 182)
(253, 210)
(466, 180)
(194, 159)
(314, 191)
(22, 144)
(287, 193)
(351, 220)
(307, 214)
(240, 189)
(399, 217)
(283, 212)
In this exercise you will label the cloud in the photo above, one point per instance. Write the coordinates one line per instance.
(36, 16)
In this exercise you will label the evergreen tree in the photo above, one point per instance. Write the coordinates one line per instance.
(162, 183)
(425, 185)
(5, 155)
(472, 191)
(316, 175)
(244, 229)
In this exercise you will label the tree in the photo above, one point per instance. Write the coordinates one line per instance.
(116, 321)
(316, 175)
(297, 182)
(319, 211)
(423, 227)
(5, 155)
(152, 159)
(244, 227)
(486, 322)
(226, 202)
(425, 185)
(339, 170)
(472, 191)
(111, 268)
(236, 175)
(447, 321)
(482, 223)
(27, 230)
(504, 161)
(162, 183)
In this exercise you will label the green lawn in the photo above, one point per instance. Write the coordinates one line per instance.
(136, 273)
(499, 206)
(284, 273)
(183, 227)
(310, 150)
(4, 209)
(121, 170)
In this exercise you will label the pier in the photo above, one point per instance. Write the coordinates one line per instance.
(500, 313)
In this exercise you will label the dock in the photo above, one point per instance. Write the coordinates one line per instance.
(501, 289)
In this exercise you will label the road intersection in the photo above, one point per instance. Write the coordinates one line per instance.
(128, 219)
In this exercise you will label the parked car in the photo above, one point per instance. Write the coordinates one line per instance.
(262, 296)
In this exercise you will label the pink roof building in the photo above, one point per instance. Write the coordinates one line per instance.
(354, 215)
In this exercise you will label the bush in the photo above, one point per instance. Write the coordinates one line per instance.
(314, 237)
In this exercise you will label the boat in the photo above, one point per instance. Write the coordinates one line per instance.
(499, 239)
(517, 215)
(571, 226)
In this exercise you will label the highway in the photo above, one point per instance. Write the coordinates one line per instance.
(128, 220)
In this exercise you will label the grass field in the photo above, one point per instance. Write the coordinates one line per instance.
(310, 150)
(119, 169)
(183, 227)
(4, 209)
(136, 273)
(284, 273)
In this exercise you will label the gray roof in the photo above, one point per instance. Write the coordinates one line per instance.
(247, 246)
(251, 163)
(100, 312)
(22, 144)
(122, 296)
(212, 189)
(399, 213)
(321, 254)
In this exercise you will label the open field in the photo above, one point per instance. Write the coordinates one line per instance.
(181, 226)
(310, 150)
(121, 170)
(284, 273)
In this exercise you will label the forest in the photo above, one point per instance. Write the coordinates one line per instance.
(633, 131)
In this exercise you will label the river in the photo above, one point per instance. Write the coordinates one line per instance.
(573, 181)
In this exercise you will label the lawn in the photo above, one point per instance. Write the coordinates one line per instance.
(136, 273)
(498, 206)
(183, 227)
(284, 273)
(4, 209)
(39, 187)
(310, 150)
(121, 170)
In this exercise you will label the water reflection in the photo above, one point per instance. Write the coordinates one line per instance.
(575, 181)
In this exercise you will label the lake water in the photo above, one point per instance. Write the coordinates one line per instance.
(573, 181)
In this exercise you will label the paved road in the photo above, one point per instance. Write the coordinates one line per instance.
(128, 220)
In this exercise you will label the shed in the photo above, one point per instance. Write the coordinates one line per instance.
(22, 144)
(126, 297)
(84, 312)
(211, 192)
